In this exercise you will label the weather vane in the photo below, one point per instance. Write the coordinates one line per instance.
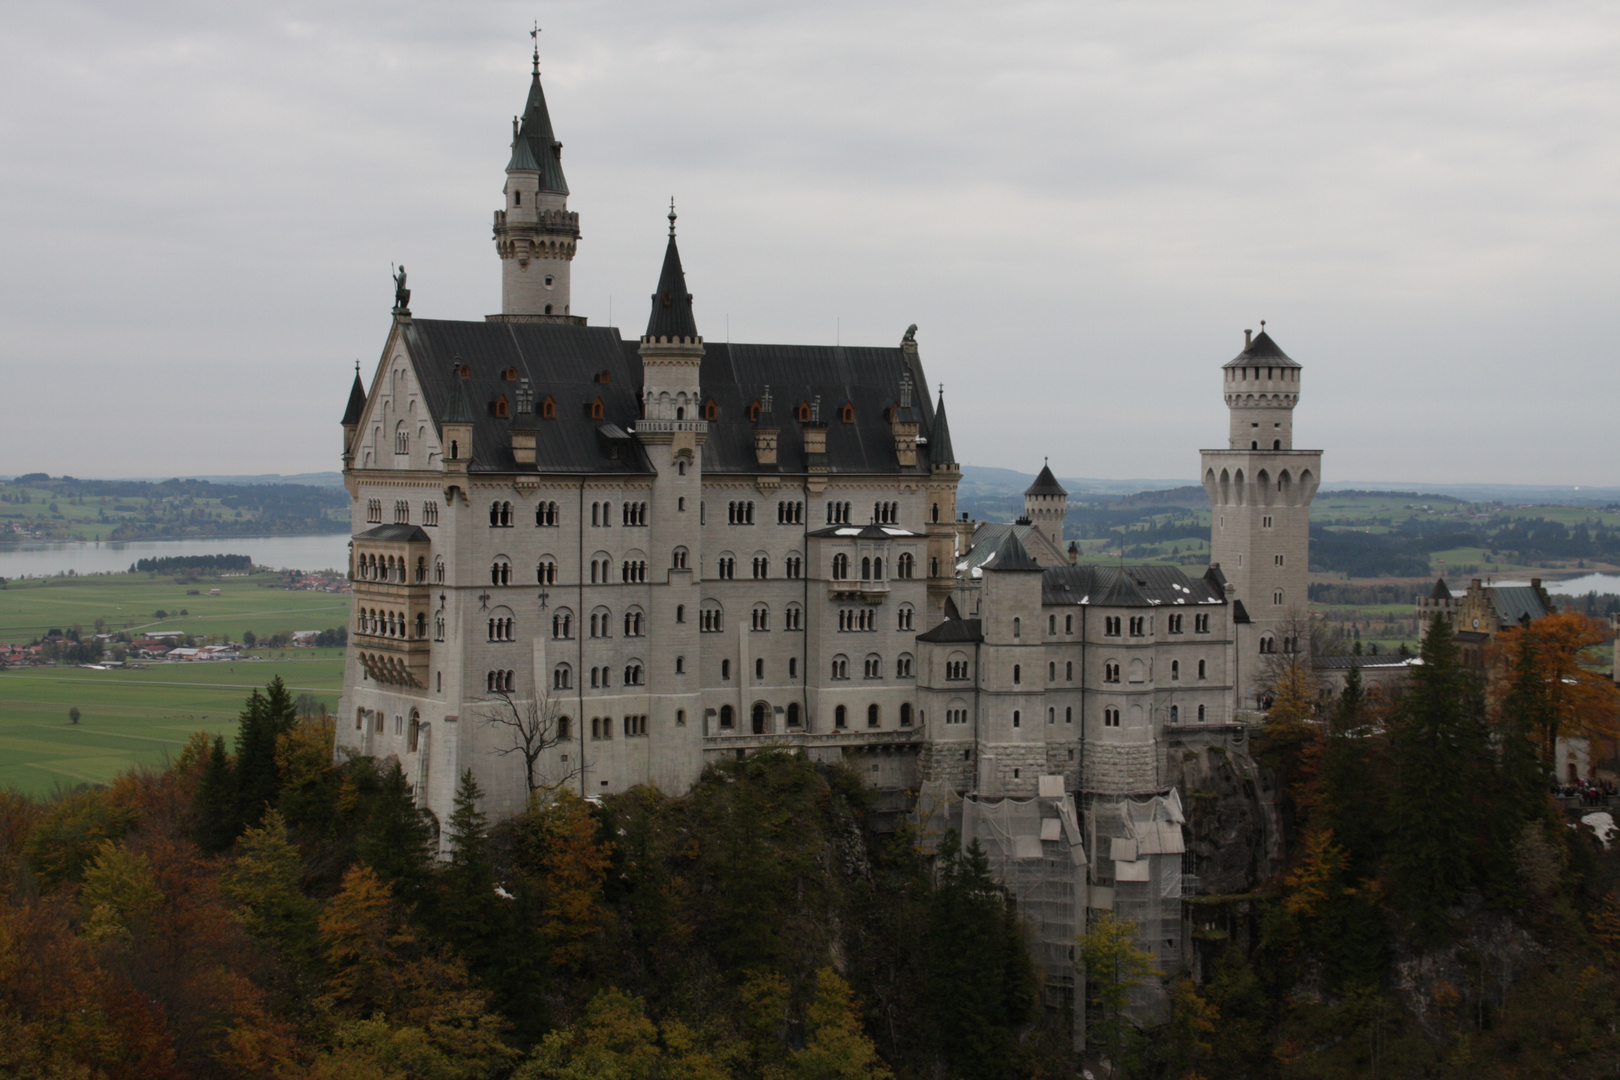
(535, 34)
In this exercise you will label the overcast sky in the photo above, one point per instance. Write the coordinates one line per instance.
(1082, 205)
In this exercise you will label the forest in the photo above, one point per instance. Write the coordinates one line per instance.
(261, 908)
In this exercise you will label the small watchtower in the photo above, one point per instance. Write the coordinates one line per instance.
(1046, 504)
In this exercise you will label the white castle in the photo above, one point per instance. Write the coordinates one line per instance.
(679, 551)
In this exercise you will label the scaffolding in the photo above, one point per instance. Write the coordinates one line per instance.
(1139, 846)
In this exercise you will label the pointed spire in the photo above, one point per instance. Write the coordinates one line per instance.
(939, 444)
(1045, 484)
(534, 146)
(457, 410)
(672, 304)
(1010, 554)
(357, 399)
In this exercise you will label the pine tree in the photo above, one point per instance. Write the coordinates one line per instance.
(219, 819)
(1437, 819)
(469, 912)
(1350, 784)
(397, 838)
(266, 717)
(1521, 794)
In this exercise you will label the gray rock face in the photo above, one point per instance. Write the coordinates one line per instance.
(1232, 827)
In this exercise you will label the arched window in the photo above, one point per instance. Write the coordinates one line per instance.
(1051, 715)
(903, 666)
(1051, 671)
(1018, 718)
(840, 567)
(415, 731)
(840, 718)
(907, 567)
(1068, 671)
(874, 716)
(728, 717)
(760, 718)
(1175, 714)
(501, 408)
(548, 409)
(840, 667)
(564, 729)
(1018, 626)
(562, 624)
(725, 670)
(1200, 714)
(1175, 670)
(793, 717)
(562, 677)
(1110, 717)
(1201, 669)
(866, 569)
(1017, 672)
(905, 714)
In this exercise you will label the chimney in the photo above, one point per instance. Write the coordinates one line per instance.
(765, 431)
(1246, 342)
(903, 424)
(815, 438)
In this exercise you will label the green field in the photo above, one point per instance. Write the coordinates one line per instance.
(129, 602)
(134, 718)
(37, 507)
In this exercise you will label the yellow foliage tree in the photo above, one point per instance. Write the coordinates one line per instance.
(1581, 700)
(120, 887)
(575, 865)
(835, 1047)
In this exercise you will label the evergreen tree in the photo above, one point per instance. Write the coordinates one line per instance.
(1437, 817)
(979, 980)
(469, 912)
(266, 717)
(1350, 785)
(396, 840)
(219, 818)
(1522, 779)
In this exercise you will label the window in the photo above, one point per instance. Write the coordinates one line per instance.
(794, 717)
(1110, 672)
(793, 667)
(548, 409)
(633, 513)
(680, 717)
(1276, 560)
(873, 667)
(680, 665)
(1051, 671)
(840, 567)
(500, 572)
(1172, 623)
(906, 568)
(633, 571)
(1018, 626)
(761, 618)
(1265, 522)
(956, 670)
(906, 617)
(601, 623)
(956, 716)
(874, 716)
(725, 671)
(762, 567)
(794, 567)
(793, 617)
(1068, 671)
(903, 666)
(680, 613)
(886, 513)
(759, 668)
(499, 682)
(1051, 716)
(678, 559)
(1175, 714)
(740, 513)
(1200, 624)
(1111, 626)
(790, 513)
(597, 412)
(840, 718)
(866, 569)
(633, 674)
(402, 512)
(711, 410)
(633, 626)
(1110, 717)
(727, 567)
(728, 716)
(1138, 625)
(546, 571)
(838, 513)
(374, 510)
(562, 677)
(438, 570)
(562, 624)
(709, 620)
(933, 568)
(1068, 624)
(1017, 674)
(840, 667)
(847, 413)
(1277, 597)
(905, 714)
(500, 629)
(1018, 718)
(635, 726)
(1268, 644)
(1175, 671)
(500, 515)
(1200, 714)
(421, 625)
(430, 513)
(1068, 714)
(438, 627)
(1201, 669)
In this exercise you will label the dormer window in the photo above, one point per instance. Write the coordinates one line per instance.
(501, 408)
(510, 374)
(711, 411)
(604, 376)
(847, 413)
(548, 409)
(804, 412)
(464, 371)
(595, 409)
(753, 413)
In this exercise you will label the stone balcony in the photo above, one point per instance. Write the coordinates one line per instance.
(870, 592)
(393, 661)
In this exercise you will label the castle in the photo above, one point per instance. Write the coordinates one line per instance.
(675, 551)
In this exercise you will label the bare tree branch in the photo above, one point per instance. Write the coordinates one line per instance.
(534, 726)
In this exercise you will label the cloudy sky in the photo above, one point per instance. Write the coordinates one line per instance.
(1082, 205)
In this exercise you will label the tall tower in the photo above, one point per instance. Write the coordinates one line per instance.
(1046, 504)
(1260, 490)
(536, 233)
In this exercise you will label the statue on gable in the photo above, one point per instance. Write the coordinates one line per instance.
(402, 295)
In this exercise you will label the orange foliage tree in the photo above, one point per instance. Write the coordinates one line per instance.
(1579, 700)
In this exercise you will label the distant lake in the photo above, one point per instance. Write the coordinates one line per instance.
(89, 557)
(1575, 586)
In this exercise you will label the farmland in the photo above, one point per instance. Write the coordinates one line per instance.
(40, 507)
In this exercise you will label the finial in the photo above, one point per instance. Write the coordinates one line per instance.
(1262, 326)
(357, 368)
(535, 34)
(765, 400)
(672, 217)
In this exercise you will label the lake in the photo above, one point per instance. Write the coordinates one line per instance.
(306, 553)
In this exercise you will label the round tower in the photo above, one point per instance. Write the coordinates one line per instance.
(1262, 388)
(536, 233)
(1046, 504)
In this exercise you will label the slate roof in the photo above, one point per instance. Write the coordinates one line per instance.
(1008, 555)
(536, 148)
(1127, 586)
(404, 534)
(563, 362)
(357, 400)
(987, 540)
(671, 305)
(1262, 351)
(866, 532)
(1439, 592)
(954, 631)
(940, 441)
(1514, 602)
(1046, 484)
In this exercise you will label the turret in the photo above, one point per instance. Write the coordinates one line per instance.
(1046, 504)
(456, 426)
(536, 233)
(1262, 388)
(351, 415)
(671, 350)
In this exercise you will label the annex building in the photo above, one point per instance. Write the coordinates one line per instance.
(680, 551)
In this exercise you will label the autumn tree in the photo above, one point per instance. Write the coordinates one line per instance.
(1114, 966)
(262, 882)
(561, 839)
(1576, 700)
(835, 1047)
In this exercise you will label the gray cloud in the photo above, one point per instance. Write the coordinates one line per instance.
(1082, 205)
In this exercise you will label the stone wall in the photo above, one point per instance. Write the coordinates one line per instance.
(1114, 769)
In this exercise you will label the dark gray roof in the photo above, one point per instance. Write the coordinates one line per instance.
(1046, 484)
(954, 631)
(1262, 352)
(1240, 614)
(357, 401)
(457, 409)
(1008, 555)
(671, 305)
(536, 148)
(1514, 602)
(865, 532)
(1126, 586)
(565, 363)
(1439, 592)
(405, 534)
(939, 444)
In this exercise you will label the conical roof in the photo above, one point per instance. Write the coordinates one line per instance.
(1009, 555)
(939, 443)
(536, 148)
(1439, 592)
(1046, 484)
(1262, 351)
(458, 410)
(357, 401)
(672, 305)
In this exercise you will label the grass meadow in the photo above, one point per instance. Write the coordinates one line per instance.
(139, 717)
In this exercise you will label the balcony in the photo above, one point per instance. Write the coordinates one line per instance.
(870, 592)
(394, 661)
(669, 427)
